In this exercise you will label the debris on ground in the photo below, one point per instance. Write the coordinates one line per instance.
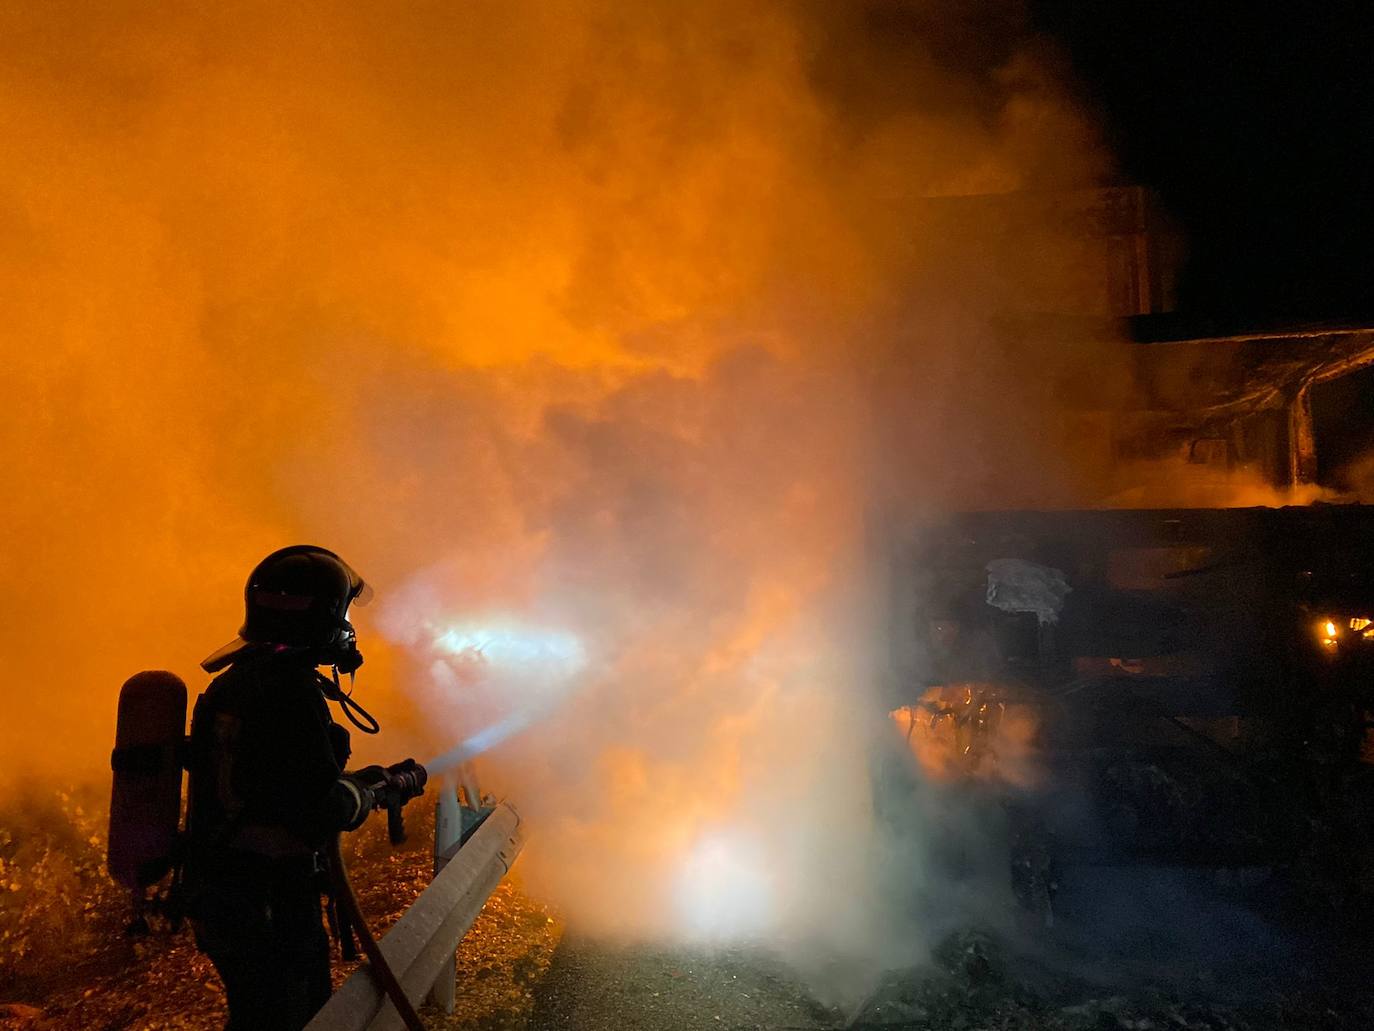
(65, 965)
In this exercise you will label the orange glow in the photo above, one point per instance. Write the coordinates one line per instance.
(618, 320)
(964, 731)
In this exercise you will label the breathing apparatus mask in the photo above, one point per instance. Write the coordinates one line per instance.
(343, 654)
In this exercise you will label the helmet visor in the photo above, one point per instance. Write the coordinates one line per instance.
(361, 590)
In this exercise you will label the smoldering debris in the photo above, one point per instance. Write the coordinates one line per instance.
(518, 971)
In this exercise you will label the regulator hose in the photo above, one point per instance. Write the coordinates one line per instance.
(381, 969)
(357, 715)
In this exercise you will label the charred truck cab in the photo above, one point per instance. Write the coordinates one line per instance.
(1193, 675)
(1161, 685)
(1186, 685)
(1182, 672)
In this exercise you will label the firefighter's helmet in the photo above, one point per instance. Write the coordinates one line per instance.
(297, 597)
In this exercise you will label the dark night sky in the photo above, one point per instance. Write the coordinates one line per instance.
(1255, 124)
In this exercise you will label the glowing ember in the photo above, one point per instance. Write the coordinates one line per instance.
(970, 730)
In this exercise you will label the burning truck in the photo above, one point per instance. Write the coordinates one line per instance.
(1183, 673)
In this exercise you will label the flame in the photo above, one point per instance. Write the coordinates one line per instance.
(970, 731)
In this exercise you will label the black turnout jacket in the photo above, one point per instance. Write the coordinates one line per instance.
(266, 759)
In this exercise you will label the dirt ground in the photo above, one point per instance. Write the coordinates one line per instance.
(65, 965)
(594, 986)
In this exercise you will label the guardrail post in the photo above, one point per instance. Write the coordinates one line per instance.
(448, 831)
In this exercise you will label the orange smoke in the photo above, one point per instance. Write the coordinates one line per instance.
(610, 318)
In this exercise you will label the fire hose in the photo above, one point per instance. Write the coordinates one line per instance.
(401, 786)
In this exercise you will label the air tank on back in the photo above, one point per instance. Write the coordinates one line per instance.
(145, 799)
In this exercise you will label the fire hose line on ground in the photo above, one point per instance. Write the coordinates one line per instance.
(381, 969)
(416, 955)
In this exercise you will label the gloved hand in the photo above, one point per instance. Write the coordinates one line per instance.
(388, 788)
(369, 784)
(372, 777)
(405, 780)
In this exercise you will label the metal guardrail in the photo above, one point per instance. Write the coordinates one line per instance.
(474, 848)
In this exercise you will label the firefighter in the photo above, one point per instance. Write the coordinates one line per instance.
(268, 787)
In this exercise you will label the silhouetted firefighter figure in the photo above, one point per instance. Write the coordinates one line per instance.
(268, 789)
